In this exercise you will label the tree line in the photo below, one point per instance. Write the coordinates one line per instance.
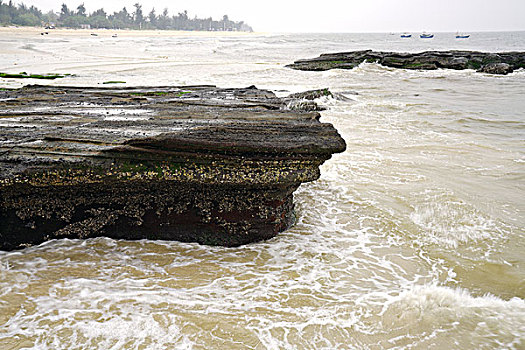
(23, 15)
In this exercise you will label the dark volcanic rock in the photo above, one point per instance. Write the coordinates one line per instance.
(195, 163)
(494, 63)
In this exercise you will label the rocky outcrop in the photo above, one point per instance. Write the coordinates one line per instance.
(193, 163)
(312, 94)
(496, 68)
(494, 63)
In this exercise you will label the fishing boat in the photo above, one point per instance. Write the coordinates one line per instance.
(426, 36)
(406, 35)
(462, 36)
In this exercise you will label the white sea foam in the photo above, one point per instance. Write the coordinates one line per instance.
(453, 223)
(492, 321)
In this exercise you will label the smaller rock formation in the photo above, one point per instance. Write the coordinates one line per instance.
(312, 94)
(486, 62)
(496, 68)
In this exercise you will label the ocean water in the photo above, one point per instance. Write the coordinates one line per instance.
(411, 239)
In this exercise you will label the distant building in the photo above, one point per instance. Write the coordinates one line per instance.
(85, 26)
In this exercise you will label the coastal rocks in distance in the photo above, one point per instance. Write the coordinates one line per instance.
(192, 163)
(493, 63)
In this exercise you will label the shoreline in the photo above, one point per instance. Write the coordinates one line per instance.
(122, 32)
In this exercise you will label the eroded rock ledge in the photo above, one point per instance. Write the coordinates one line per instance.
(494, 63)
(193, 163)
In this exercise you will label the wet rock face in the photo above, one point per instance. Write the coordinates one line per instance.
(194, 164)
(496, 68)
(493, 63)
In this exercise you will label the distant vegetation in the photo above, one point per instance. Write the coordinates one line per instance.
(22, 15)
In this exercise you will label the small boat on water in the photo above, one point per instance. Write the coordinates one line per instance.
(93, 34)
(406, 35)
(114, 36)
(462, 36)
(426, 36)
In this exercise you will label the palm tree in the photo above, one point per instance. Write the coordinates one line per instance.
(81, 10)
(138, 16)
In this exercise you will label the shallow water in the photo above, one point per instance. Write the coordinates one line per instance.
(412, 238)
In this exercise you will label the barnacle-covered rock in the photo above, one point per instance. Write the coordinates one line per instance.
(193, 163)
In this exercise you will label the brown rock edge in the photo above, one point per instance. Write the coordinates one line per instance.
(192, 163)
(486, 62)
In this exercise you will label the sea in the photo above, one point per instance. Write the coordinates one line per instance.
(413, 238)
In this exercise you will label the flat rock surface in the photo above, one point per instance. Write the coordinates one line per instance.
(488, 62)
(82, 162)
(47, 127)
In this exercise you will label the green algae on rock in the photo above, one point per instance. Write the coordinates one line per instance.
(24, 75)
(486, 62)
(193, 163)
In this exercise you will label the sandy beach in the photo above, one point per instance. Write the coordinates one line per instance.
(66, 32)
(130, 57)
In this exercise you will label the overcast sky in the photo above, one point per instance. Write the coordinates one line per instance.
(334, 15)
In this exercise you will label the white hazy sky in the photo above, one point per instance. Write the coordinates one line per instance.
(334, 15)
